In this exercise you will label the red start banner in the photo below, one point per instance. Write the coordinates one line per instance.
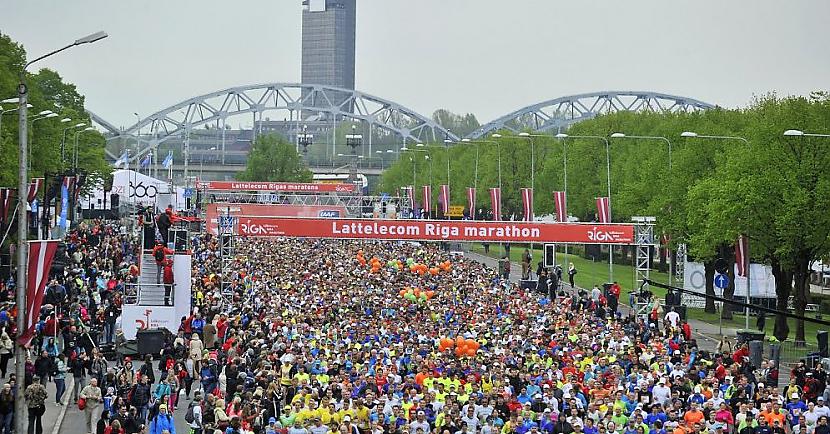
(437, 230)
(242, 210)
(291, 187)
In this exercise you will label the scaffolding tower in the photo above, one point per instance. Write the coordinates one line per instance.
(644, 242)
(227, 254)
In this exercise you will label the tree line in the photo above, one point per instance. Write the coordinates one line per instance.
(772, 188)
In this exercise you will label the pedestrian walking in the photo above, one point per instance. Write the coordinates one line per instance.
(571, 274)
(92, 410)
(35, 396)
(60, 378)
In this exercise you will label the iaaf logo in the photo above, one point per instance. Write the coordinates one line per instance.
(329, 213)
(248, 228)
(597, 235)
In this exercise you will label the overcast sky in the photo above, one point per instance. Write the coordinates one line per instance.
(488, 57)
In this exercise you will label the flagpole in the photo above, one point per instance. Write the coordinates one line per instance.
(747, 265)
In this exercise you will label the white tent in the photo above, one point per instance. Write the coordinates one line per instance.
(135, 188)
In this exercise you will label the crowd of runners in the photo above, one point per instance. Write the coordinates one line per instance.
(347, 337)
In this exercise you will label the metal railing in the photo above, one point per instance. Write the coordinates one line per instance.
(148, 294)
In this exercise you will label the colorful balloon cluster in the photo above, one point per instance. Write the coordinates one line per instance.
(463, 347)
(416, 295)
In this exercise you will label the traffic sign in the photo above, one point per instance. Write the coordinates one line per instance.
(188, 192)
(721, 281)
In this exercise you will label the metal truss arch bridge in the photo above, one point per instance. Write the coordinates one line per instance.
(564, 111)
(300, 100)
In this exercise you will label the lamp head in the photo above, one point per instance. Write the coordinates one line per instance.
(524, 134)
(51, 115)
(79, 125)
(688, 134)
(793, 133)
(465, 140)
(561, 136)
(496, 136)
(389, 151)
(65, 120)
(420, 145)
(44, 113)
(617, 135)
(97, 36)
(404, 148)
(10, 101)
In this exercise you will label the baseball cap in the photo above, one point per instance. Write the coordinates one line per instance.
(272, 420)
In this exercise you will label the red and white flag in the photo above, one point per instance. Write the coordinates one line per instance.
(471, 202)
(561, 206)
(603, 210)
(742, 255)
(444, 199)
(41, 254)
(410, 193)
(34, 188)
(495, 199)
(527, 204)
(427, 199)
(6, 199)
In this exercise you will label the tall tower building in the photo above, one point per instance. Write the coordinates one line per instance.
(329, 42)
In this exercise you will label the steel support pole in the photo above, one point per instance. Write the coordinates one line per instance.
(22, 249)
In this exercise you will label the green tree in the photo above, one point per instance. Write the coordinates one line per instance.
(273, 159)
(460, 125)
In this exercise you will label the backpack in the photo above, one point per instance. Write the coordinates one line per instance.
(189, 417)
(159, 255)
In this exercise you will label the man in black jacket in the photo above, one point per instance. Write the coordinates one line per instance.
(140, 398)
(44, 367)
(78, 366)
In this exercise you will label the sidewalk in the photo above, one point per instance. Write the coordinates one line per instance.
(53, 417)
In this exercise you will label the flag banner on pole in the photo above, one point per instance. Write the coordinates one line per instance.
(527, 204)
(41, 254)
(665, 239)
(742, 255)
(471, 202)
(67, 180)
(603, 210)
(561, 206)
(145, 163)
(6, 199)
(124, 160)
(79, 184)
(168, 160)
(34, 188)
(427, 202)
(444, 199)
(495, 199)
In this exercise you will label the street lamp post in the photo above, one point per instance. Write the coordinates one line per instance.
(668, 143)
(22, 224)
(608, 184)
(694, 135)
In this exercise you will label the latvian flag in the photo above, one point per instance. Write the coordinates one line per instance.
(603, 210)
(444, 199)
(742, 255)
(41, 254)
(427, 199)
(6, 199)
(495, 199)
(561, 206)
(34, 188)
(527, 204)
(471, 202)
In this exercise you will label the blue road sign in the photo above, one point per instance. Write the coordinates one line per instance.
(188, 192)
(721, 281)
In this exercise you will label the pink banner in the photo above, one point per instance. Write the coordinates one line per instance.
(291, 187)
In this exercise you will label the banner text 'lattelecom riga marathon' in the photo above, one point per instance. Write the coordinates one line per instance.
(436, 230)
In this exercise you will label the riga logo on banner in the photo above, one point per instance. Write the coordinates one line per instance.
(437, 230)
(561, 206)
(495, 199)
(444, 199)
(295, 187)
(427, 198)
(527, 204)
(603, 210)
(471, 202)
